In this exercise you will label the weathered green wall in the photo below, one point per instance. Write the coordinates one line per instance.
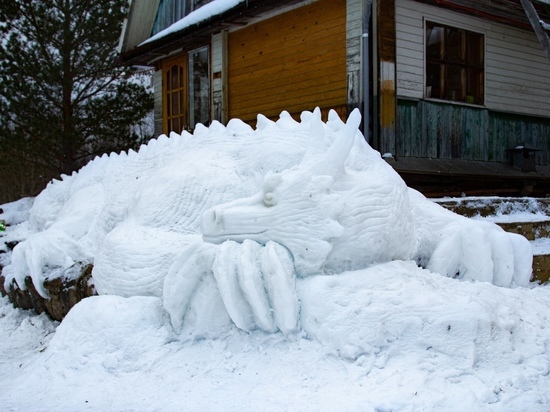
(449, 131)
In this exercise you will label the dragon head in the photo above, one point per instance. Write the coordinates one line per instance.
(296, 208)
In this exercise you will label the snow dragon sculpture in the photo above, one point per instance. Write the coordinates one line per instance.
(249, 212)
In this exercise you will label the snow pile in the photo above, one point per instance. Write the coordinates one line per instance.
(15, 215)
(502, 209)
(17, 212)
(391, 337)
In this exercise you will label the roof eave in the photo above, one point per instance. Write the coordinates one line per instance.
(508, 12)
(192, 36)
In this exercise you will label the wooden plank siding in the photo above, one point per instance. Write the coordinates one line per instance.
(294, 61)
(517, 74)
(438, 130)
(157, 111)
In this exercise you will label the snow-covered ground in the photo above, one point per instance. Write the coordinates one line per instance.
(387, 336)
(541, 246)
(390, 338)
(512, 211)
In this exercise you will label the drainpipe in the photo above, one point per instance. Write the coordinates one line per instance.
(367, 7)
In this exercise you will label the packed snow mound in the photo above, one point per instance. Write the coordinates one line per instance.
(389, 337)
(234, 215)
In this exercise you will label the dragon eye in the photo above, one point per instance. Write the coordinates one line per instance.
(269, 199)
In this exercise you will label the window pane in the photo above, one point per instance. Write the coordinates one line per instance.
(475, 50)
(434, 41)
(456, 45)
(169, 12)
(199, 3)
(434, 84)
(199, 87)
(175, 103)
(183, 108)
(475, 86)
(176, 126)
(456, 83)
(175, 78)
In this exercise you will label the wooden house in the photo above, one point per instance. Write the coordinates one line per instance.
(457, 91)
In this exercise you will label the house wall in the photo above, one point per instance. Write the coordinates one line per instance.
(516, 68)
(219, 77)
(157, 89)
(310, 56)
(448, 131)
(294, 61)
(517, 93)
(354, 53)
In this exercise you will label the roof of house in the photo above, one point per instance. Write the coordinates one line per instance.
(138, 47)
(207, 12)
(509, 12)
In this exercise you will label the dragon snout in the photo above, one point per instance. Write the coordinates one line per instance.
(212, 221)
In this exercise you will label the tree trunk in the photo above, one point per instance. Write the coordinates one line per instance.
(68, 150)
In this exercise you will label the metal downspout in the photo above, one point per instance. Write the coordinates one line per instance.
(365, 61)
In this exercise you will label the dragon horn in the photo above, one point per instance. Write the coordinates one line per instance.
(338, 152)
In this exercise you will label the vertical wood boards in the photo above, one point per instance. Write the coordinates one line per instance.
(157, 111)
(439, 130)
(386, 47)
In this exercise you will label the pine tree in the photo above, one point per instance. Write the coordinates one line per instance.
(62, 98)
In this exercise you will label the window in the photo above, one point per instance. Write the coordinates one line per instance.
(199, 87)
(454, 64)
(170, 11)
(186, 90)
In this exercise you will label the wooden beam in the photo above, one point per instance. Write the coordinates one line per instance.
(535, 20)
(387, 94)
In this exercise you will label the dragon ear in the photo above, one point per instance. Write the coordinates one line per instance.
(338, 152)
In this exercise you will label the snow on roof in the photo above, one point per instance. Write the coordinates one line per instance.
(214, 8)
